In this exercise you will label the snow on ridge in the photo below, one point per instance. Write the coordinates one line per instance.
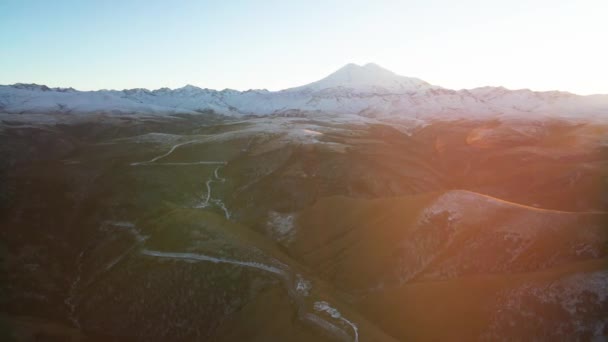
(455, 212)
(353, 89)
(577, 298)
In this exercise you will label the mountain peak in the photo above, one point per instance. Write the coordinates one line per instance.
(367, 70)
(189, 87)
(373, 66)
(368, 78)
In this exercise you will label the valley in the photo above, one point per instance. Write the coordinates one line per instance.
(315, 227)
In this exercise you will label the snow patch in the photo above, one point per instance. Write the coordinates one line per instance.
(128, 226)
(216, 260)
(303, 286)
(281, 227)
(323, 306)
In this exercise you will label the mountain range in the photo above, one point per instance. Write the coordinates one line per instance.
(367, 90)
(366, 206)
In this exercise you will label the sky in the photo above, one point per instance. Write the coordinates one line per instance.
(89, 45)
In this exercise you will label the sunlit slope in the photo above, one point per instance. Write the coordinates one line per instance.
(484, 267)
(566, 302)
(550, 164)
(365, 244)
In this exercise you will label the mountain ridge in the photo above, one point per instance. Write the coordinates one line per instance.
(347, 67)
(367, 90)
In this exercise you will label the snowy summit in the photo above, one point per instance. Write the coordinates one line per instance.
(368, 78)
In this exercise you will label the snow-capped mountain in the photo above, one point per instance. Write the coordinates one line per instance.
(368, 90)
(370, 78)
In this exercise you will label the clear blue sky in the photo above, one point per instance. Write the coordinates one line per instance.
(278, 44)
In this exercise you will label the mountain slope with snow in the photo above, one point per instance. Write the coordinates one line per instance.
(370, 78)
(368, 90)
